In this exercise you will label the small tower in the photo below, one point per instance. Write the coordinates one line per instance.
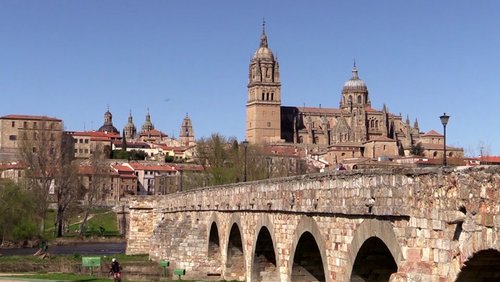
(187, 133)
(129, 130)
(264, 96)
(108, 123)
(354, 92)
(148, 125)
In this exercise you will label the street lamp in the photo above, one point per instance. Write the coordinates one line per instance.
(444, 120)
(245, 145)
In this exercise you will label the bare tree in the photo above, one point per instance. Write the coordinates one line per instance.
(67, 184)
(98, 173)
(40, 150)
(51, 174)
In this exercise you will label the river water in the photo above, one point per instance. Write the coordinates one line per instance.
(79, 248)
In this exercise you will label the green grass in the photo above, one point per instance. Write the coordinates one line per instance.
(64, 277)
(72, 258)
(101, 222)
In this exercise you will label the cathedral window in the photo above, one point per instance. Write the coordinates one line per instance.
(376, 123)
(350, 99)
(359, 99)
(272, 96)
(267, 96)
(263, 96)
(435, 154)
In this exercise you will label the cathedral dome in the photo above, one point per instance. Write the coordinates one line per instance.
(108, 123)
(148, 125)
(263, 52)
(354, 84)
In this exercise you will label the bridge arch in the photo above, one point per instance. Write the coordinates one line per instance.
(477, 252)
(308, 246)
(235, 267)
(214, 250)
(377, 234)
(482, 266)
(264, 260)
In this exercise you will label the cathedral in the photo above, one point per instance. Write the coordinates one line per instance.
(354, 130)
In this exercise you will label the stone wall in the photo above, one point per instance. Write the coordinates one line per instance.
(431, 220)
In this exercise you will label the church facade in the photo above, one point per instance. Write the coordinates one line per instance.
(353, 130)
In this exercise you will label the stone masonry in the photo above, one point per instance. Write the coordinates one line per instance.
(431, 221)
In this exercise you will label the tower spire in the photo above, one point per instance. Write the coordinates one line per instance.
(355, 71)
(263, 37)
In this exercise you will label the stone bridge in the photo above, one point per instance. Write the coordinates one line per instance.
(426, 224)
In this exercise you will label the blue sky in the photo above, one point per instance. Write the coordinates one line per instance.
(70, 59)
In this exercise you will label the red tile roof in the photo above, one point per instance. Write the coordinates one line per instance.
(123, 168)
(141, 166)
(153, 132)
(430, 146)
(433, 133)
(16, 165)
(96, 134)
(489, 159)
(30, 117)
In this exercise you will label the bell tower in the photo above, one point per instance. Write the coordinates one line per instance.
(264, 96)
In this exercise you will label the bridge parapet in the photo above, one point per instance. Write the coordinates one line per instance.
(374, 192)
(422, 205)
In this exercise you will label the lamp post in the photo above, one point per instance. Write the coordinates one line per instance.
(245, 145)
(444, 120)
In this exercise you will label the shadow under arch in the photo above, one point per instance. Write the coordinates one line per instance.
(214, 253)
(483, 266)
(365, 232)
(307, 245)
(264, 260)
(235, 251)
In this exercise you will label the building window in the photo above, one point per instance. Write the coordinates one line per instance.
(263, 96)
(86, 151)
(272, 96)
(435, 154)
(86, 141)
(12, 137)
(25, 124)
(359, 99)
(268, 124)
(13, 124)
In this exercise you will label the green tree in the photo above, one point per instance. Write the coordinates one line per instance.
(17, 212)
(417, 150)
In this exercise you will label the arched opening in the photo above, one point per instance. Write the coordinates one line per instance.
(307, 262)
(359, 99)
(374, 262)
(235, 264)
(482, 267)
(264, 260)
(214, 253)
